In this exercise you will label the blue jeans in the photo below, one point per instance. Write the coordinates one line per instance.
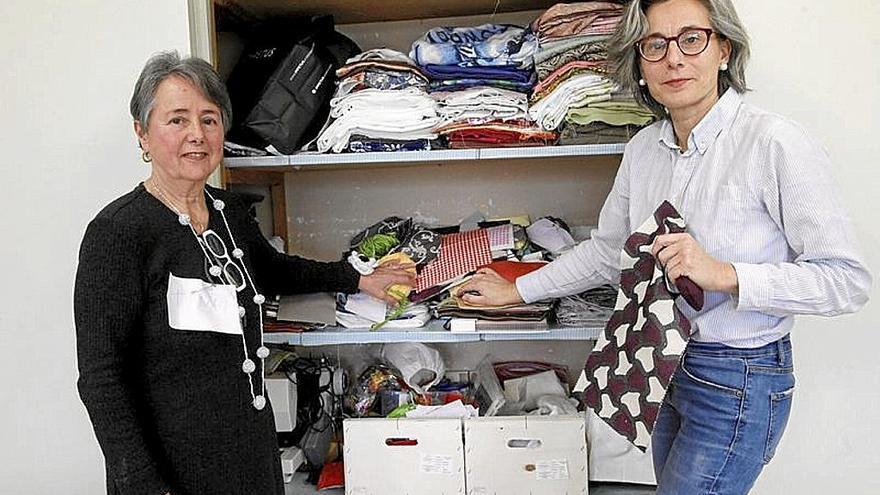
(722, 418)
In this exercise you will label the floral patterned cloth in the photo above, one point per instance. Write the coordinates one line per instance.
(416, 241)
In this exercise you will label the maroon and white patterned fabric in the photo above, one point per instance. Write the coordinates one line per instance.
(460, 253)
(633, 361)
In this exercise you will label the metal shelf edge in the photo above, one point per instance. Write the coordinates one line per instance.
(432, 333)
(256, 161)
(311, 160)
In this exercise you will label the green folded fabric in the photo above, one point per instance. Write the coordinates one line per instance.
(612, 112)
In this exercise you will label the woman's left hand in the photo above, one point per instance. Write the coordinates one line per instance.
(383, 277)
(682, 255)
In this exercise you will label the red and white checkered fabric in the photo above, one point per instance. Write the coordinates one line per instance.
(459, 254)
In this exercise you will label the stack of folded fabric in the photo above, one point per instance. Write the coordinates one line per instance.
(488, 55)
(550, 110)
(485, 116)
(481, 77)
(380, 104)
(496, 134)
(482, 103)
(455, 306)
(614, 120)
(379, 68)
(574, 86)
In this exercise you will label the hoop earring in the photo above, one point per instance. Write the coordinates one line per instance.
(642, 82)
(723, 67)
(145, 156)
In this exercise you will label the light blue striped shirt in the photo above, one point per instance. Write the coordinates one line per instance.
(755, 190)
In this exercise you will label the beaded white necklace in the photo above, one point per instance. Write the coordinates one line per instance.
(247, 366)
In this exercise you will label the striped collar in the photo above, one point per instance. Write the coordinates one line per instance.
(710, 126)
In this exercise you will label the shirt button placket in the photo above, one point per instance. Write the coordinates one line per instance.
(679, 179)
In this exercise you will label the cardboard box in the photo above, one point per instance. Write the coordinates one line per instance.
(404, 456)
(526, 455)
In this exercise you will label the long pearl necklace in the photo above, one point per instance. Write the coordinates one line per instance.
(247, 366)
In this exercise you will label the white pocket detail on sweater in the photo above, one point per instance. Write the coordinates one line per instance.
(194, 304)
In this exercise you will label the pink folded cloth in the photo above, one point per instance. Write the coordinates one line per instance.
(573, 19)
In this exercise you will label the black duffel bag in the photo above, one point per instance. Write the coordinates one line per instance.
(293, 100)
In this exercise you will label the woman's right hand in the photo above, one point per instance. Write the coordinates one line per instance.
(487, 288)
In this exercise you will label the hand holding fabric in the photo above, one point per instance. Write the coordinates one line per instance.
(488, 288)
(384, 277)
(683, 256)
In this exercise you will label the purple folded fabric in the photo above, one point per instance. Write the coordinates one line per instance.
(506, 73)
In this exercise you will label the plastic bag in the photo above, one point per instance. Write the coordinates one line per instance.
(420, 366)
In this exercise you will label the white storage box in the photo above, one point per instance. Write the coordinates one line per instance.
(526, 455)
(404, 456)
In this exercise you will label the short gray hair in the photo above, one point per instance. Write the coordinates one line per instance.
(195, 70)
(624, 59)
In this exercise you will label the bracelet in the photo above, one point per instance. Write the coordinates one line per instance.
(362, 264)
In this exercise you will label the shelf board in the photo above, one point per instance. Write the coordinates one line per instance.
(348, 12)
(432, 332)
(307, 161)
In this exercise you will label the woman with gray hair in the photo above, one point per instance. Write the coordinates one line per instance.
(168, 305)
(767, 238)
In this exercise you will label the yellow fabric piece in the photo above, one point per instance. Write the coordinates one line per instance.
(399, 291)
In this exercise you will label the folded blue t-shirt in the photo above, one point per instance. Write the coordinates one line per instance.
(485, 45)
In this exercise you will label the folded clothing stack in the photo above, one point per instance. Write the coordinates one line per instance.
(569, 32)
(380, 104)
(481, 77)
(497, 55)
(482, 103)
(379, 68)
(574, 86)
(621, 116)
(565, 20)
(455, 306)
(496, 134)
(577, 91)
(452, 307)
(488, 117)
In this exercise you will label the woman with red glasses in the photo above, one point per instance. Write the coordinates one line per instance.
(767, 238)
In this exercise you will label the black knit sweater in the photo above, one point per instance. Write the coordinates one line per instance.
(171, 408)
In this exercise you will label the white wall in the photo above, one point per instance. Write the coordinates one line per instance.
(67, 72)
(817, 63)
(68, 69)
